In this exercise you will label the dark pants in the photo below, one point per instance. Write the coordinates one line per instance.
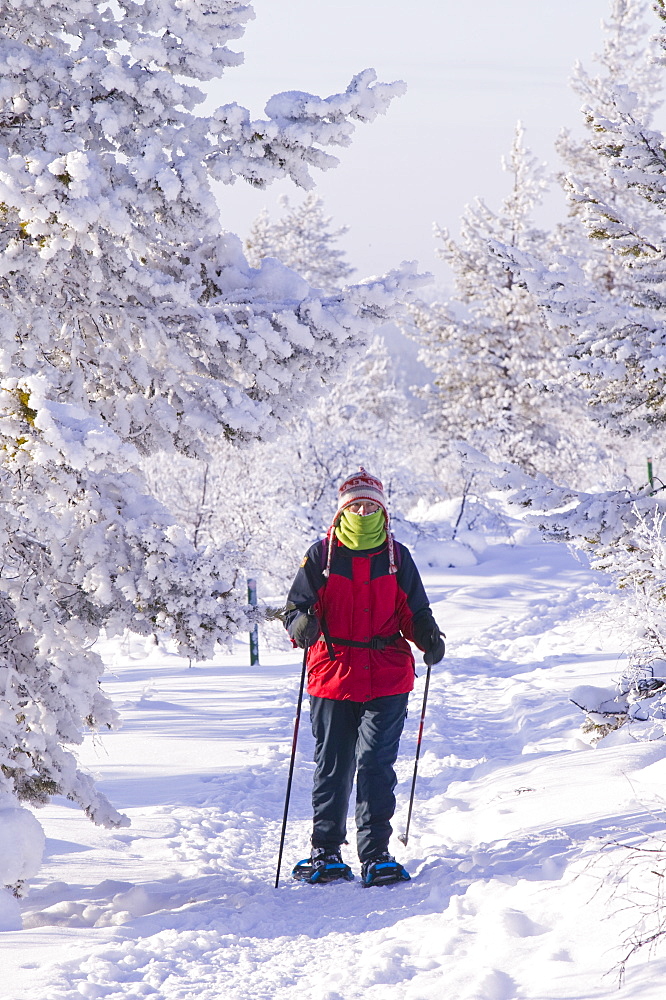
(363, 737)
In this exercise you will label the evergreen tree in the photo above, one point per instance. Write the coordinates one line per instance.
(608, 295)
(303, 240)
(270, 499)
(129, 326)
(495, 361)
(628, 63)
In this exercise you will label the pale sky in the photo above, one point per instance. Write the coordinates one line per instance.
(472, 69)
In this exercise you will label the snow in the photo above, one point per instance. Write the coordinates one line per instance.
(523, 885)
(21, 845)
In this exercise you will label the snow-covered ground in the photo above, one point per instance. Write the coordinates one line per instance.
(517, 886)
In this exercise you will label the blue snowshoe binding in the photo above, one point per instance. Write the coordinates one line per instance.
(383, 870)
(324, 865)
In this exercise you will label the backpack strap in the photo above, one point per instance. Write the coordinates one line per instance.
(377, 641)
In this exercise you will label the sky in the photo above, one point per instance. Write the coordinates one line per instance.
(472, 70)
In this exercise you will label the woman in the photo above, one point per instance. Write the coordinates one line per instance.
(356, 600)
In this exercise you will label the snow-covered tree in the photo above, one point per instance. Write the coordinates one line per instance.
(365, 419)
(629, 59)
(275, 498)
(493, 358)
(607, 296)
(302, 239)
(272, 499)
(131, 324)
(610, 216)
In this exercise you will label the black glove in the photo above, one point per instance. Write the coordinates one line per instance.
(306, 630)
(434, 647)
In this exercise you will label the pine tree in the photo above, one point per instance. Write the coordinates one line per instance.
(628, 63)
(608, 295)
(495, 361)
(270, 502)
(303, 240)
(129, 325)
(606, 292)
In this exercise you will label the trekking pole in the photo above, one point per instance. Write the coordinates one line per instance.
(291, 764)
(404, 836)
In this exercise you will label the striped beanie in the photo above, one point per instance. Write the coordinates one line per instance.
(361, 486)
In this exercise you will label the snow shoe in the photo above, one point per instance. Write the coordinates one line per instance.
(324, 865)
(383, 870)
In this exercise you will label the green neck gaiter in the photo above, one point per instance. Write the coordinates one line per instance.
(361, 531)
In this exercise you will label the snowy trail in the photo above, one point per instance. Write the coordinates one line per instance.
(509, 893)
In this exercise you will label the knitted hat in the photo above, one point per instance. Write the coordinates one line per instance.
(361, 486)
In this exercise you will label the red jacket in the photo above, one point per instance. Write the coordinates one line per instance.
(360, 601)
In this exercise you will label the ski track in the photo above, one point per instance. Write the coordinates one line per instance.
(182, 905)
